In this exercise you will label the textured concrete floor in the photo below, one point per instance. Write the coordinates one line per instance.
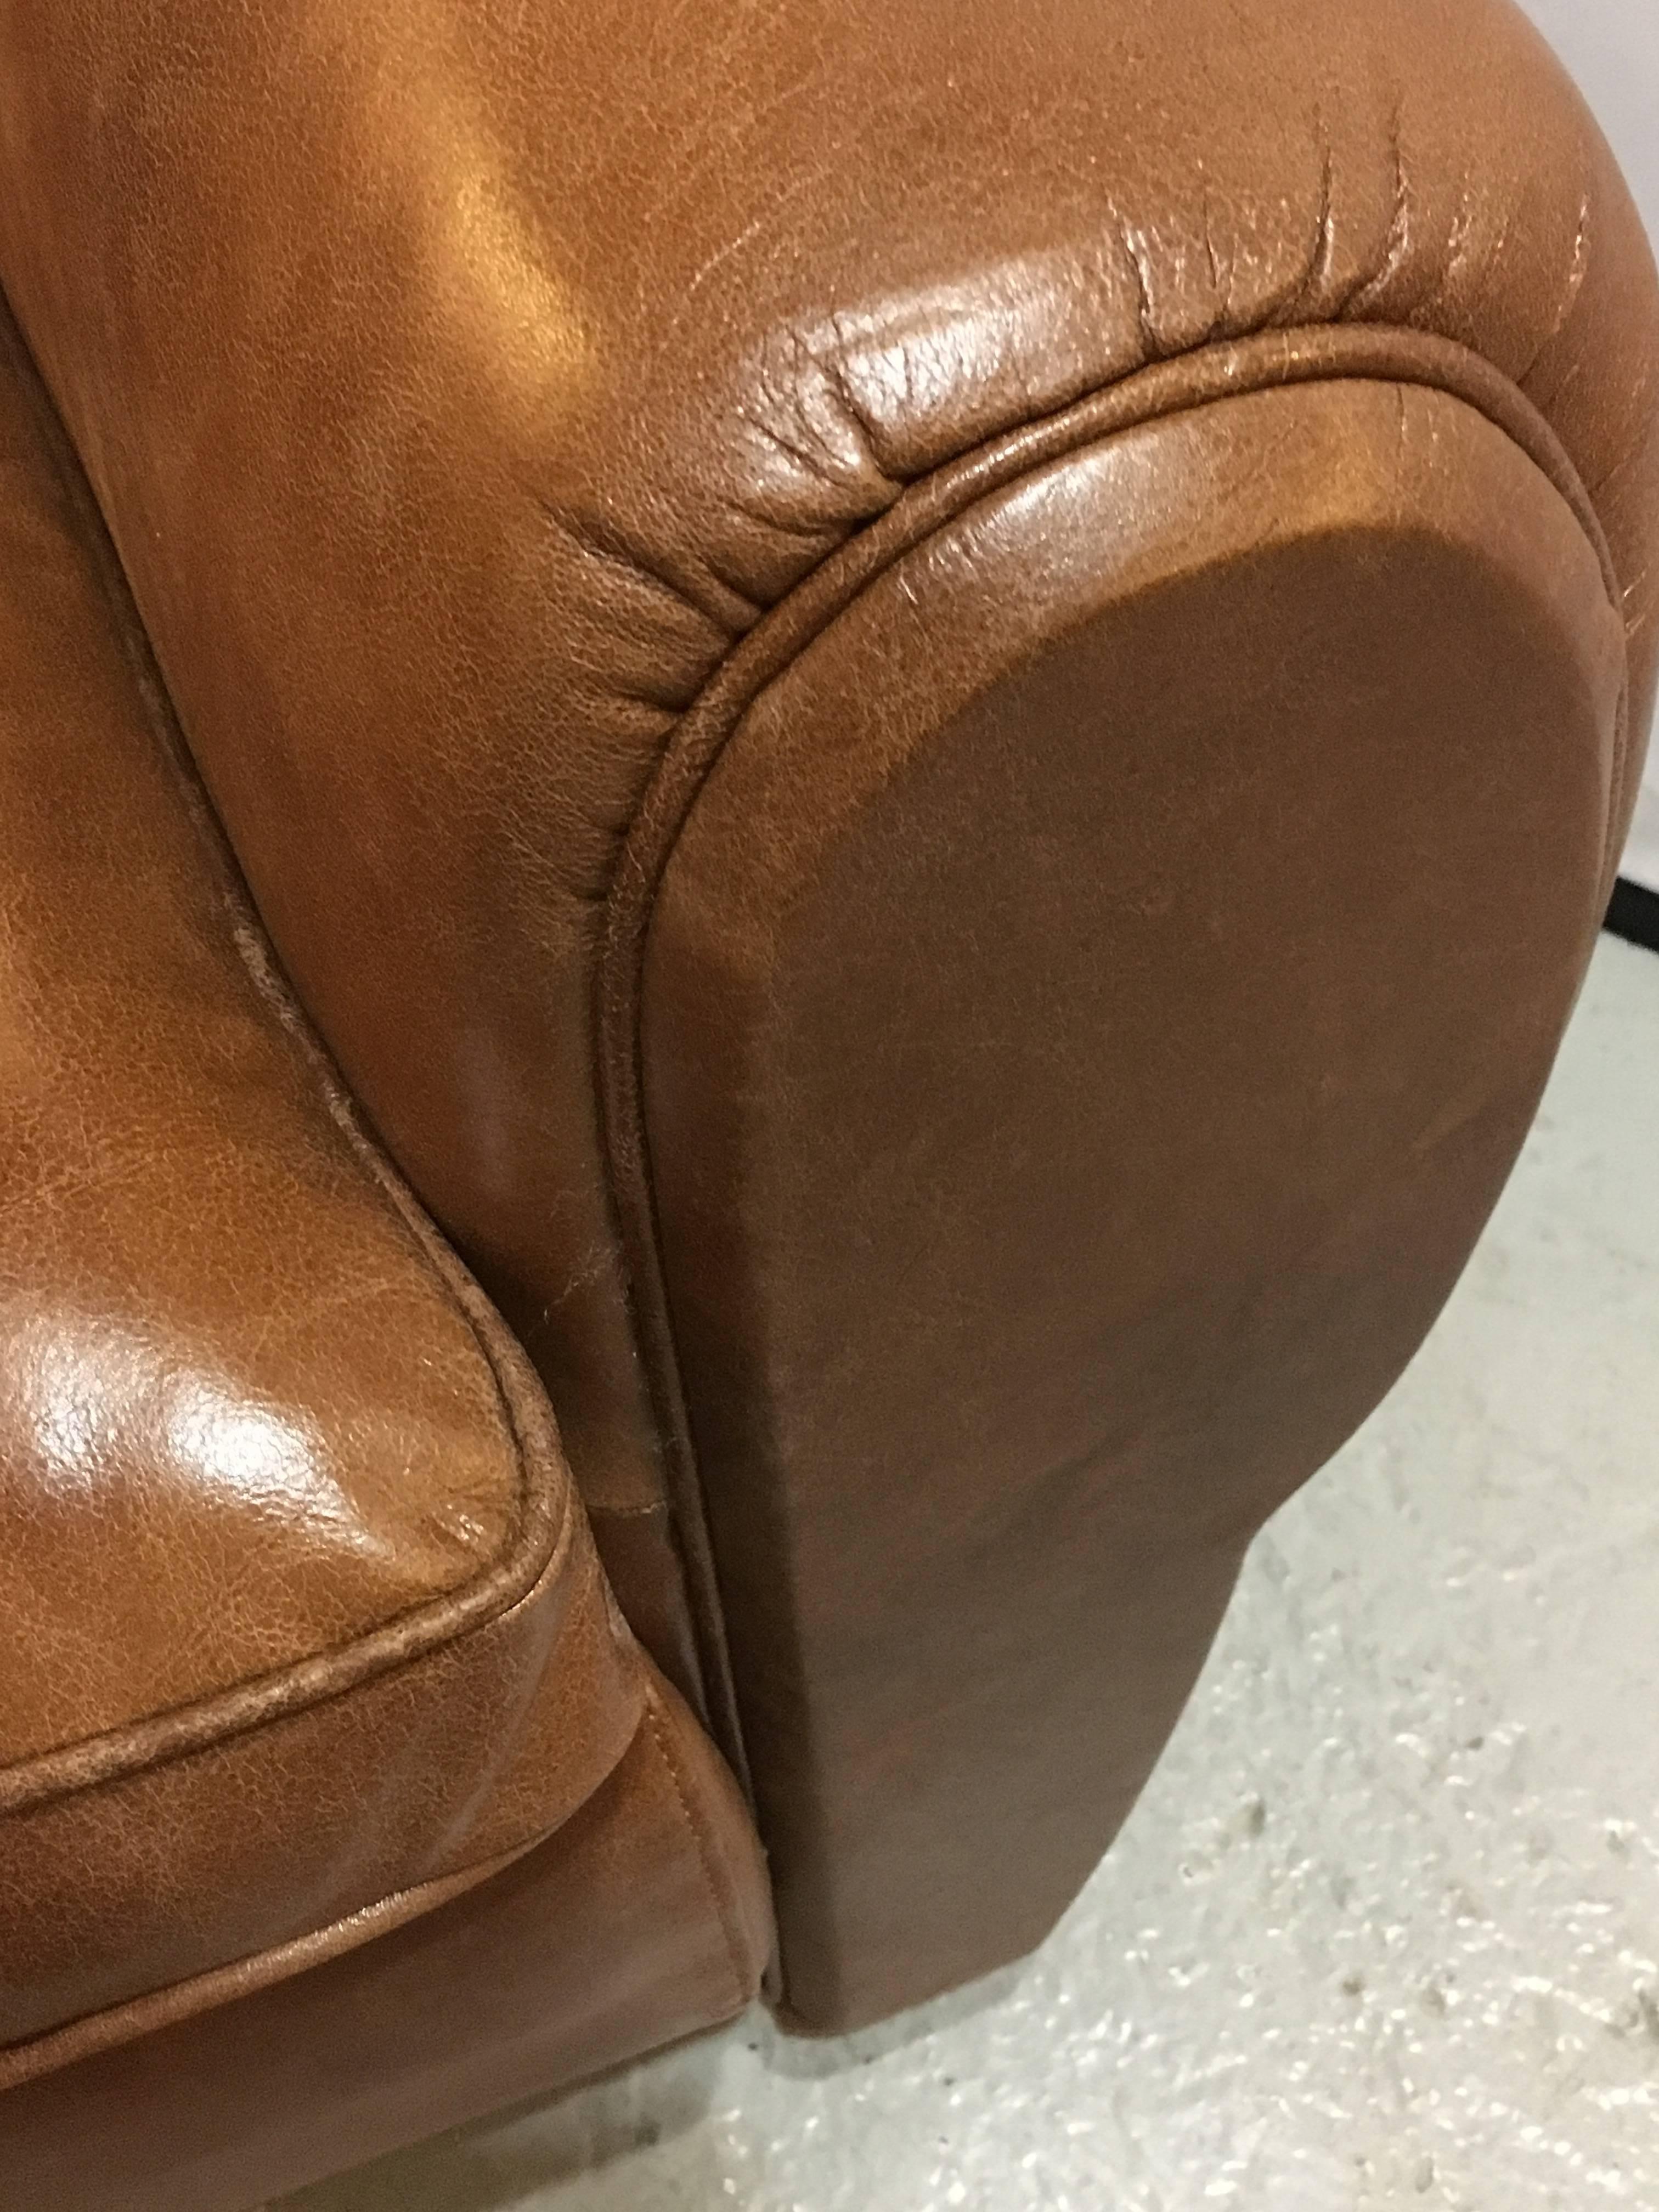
(1384, 1929)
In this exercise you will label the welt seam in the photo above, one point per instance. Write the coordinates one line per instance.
(204, 1725)
(1268, 359)
(700, 1844)
(255, 1971)
(1554, 462)
(542, 1532)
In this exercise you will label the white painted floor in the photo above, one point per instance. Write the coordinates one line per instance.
(1384, 1929)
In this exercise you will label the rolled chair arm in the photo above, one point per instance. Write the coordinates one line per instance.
(935, 704)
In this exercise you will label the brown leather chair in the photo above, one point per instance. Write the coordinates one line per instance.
(921, 711)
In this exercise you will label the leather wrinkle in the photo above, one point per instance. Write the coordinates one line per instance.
(1267, 359)
(700, 1847)
(539, 1541)
(80, 2037)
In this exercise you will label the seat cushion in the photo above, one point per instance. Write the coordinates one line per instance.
(300, 1627)
(643, 1920)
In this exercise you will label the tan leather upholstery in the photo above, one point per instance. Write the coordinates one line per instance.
(879, 670)
(472, 379)
(1157, 1027)
(641, 1921)
(297, 1611)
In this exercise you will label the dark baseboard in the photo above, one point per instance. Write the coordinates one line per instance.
(1634, 914)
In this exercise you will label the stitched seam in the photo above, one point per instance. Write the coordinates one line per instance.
(125, 2020)
(702, 1845)
(541, 1536)
(1264, 360)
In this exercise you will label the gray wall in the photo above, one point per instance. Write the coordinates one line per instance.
(1612, 47)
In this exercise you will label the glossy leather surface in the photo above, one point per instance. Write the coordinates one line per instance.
(463, 383)
(298, 1609)
(479, 397)
(641, 1921)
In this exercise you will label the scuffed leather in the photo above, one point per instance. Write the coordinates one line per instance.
(298, 1608)
(1075, 1070)
(461, 381)
(642, 1920)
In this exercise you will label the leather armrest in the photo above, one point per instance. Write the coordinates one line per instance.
(493, 412)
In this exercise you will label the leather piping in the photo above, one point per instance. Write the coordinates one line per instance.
(159, 2008)
(1270, 360)
(539, 1539)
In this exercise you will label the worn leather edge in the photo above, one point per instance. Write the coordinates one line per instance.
(544, 1527)
(747, 1946)
(746, 1960)
(1218, 371)
(158, 2008)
